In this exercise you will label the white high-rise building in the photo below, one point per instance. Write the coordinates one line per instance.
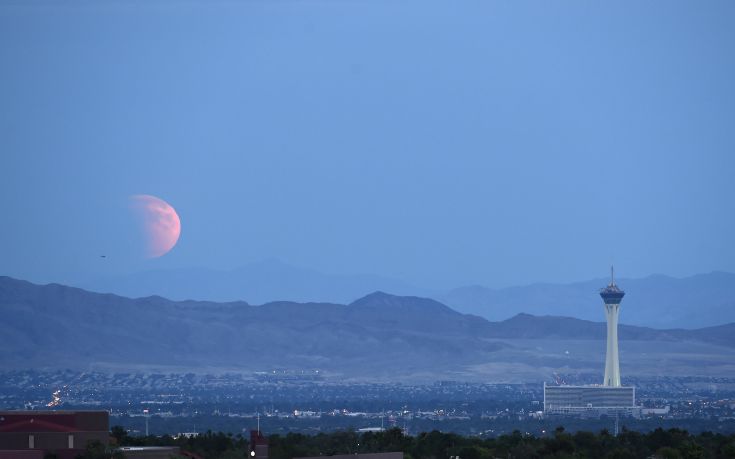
(612, 296)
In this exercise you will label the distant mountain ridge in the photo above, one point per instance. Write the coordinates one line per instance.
(660, 301)
(654, 301)
(258, 283)
(377, 336)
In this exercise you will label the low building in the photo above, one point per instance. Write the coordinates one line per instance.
(258, 445)
(151, 452)
(656, 411)
(360, 456)
(590, 401)
(63, 433)
(21, 454)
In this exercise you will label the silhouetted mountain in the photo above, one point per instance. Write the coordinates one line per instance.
(378, 336)
(658, 301)
(655, 301)
(259, 282)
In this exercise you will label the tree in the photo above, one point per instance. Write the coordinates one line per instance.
(96, 450)
(120, 434)
(668, 452)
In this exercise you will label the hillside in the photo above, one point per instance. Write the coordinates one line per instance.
(378, 336)
(654, 301)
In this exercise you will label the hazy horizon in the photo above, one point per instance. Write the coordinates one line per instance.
(603, 276)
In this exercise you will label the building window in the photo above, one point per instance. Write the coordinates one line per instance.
(71, 441)
(31, 442)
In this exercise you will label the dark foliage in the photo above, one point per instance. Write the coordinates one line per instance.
(207, 445)
(672, 443)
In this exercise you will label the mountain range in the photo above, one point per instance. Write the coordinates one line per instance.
(379, 336)
(257, 283)
(655, 301)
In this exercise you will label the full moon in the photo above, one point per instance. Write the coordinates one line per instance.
(159, 222)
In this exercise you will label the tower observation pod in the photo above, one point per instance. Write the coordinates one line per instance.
(612, 296)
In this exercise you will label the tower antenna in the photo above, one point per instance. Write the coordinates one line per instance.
(612, 275)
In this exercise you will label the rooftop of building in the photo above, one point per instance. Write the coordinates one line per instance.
(53, 421)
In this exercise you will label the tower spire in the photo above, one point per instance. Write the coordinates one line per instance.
(612, 275)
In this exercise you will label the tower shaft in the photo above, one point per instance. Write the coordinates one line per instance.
(612, 362)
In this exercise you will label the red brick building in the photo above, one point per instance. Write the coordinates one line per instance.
(30, 434)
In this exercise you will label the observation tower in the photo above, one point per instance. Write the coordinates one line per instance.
(612, 296)
(610, 398)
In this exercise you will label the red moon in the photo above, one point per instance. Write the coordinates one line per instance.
(160, 223)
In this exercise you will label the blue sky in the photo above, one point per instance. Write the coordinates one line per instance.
(442, 143)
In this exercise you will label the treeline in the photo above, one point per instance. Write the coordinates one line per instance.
(672, 443)
(208, 445)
